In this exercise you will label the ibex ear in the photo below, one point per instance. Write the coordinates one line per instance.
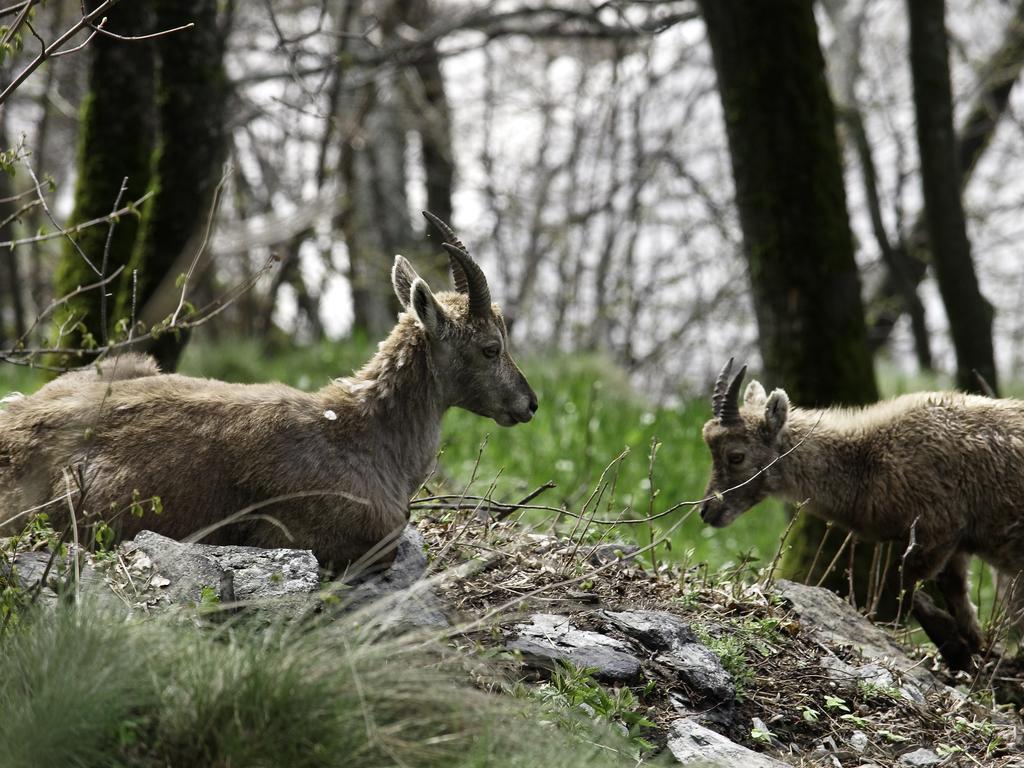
(776, 411)
(402, 278)
(425, 307)
(754, 394)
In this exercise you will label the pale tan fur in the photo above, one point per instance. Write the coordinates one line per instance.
(946, 465)
(337, 466)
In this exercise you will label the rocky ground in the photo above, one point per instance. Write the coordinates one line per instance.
(714, 669)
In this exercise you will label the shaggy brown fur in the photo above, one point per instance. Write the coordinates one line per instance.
(331, 471)
(945, 464)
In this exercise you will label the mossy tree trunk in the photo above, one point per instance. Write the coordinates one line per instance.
(191, 89)
(781, 129)
(116, 143)
(970, 315)
(12, 295)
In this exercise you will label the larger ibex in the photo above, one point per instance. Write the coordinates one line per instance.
(265, 464)
(942, 470)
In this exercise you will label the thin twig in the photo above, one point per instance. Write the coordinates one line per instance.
(106, 259)
(214, 206)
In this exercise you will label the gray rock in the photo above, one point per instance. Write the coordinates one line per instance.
(697, 666)
(858, 741)
(610, 552)
(266, 574)
(278, 580)
(834, 622)
(694, 745)
(399, 598)
(409, 565)
(550, 637)
(29, 568)
(920, 758)
(909, 688)
(658, 630)
(700, 670)
(186, 569)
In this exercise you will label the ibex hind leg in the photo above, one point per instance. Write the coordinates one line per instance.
(943, 630)
(952, 583)
(955, 632)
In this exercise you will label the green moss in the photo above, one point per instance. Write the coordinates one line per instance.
(191, 90)
(115, 143)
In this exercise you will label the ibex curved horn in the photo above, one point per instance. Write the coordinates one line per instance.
(725, 402)
(449, 236)
(466, 273)
(479, 292)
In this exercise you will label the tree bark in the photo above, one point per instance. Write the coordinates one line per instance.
(970, 315)
(191, 91)
(116, 143)
(786, 165)
(13, 296)
(375, 219)
(848, 22)
(998, 77)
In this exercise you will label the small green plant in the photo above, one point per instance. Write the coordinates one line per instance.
(574, 689)
(868, 690)
(836, 704)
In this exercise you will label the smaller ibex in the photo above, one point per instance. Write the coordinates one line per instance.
(330, 471)
(944, 470)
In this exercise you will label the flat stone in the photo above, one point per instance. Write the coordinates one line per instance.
(658, 630)
(550, 637)
(833, 621)
(277, 580)
(700, 670)
(693, 744)
(920, 758)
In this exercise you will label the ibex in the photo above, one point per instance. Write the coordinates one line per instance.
(942, 473)
(265, 464)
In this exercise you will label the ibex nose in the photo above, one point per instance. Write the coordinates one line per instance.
(534, 405)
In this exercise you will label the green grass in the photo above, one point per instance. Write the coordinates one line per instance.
(83, 687)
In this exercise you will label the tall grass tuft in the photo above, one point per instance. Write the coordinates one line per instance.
(85, 687)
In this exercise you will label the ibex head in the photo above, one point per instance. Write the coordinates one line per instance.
(469, 350)
(743, 443)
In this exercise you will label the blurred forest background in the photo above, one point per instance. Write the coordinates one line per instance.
(828, 191)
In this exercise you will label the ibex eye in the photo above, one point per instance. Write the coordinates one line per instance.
(736, 458)
(492, 350)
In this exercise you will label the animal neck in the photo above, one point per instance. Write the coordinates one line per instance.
(821, 465)
(395, 400)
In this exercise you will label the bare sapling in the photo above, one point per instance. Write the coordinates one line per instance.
(940, 473)
(265, 464)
